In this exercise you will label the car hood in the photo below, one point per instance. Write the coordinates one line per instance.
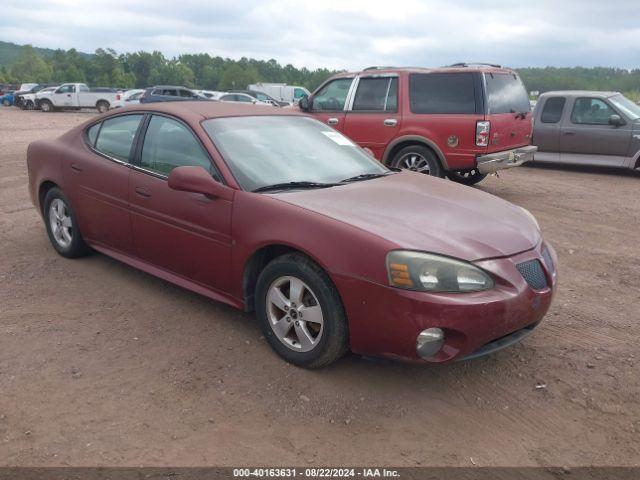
(419, 212)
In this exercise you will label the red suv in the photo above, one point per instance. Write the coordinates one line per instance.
(463, 121)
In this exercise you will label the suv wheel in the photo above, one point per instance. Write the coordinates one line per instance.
(469, 177)
(418, 159)
(300, 312)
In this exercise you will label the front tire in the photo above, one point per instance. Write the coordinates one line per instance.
(467, 177)
(418, 158)
(6, 103)
(300, 312)
(62, 225)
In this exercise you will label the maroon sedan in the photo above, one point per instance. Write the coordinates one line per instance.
(278, 213)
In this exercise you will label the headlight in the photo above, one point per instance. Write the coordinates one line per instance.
(434, 273)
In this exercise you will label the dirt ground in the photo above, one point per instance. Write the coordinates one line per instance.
(101, 364)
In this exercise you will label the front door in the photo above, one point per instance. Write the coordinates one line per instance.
(185, 233)
(99, 173)
(328, 104)
(588, 134)
(374, 120)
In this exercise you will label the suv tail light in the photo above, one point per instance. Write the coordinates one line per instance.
(482, 133)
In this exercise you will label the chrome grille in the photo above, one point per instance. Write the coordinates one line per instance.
(533, 273)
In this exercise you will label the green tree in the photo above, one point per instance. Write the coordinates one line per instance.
(238, 77)
(30, 67)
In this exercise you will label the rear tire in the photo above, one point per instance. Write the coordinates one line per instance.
(62, 225)
(300, 312)
(418, 158)
(470, 177)
(102, 106)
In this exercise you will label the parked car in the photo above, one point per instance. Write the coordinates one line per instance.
(282, 92)
(7, 99)
(30, 100)
(129, 97)
(243, 98)
(73, 96)
(270, 210)
(588, 128)
(263, 97)
(169, 93)
(27, 89)
(213, 94)
(463, 121)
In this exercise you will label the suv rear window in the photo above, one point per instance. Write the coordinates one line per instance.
(506, 93)
(442, 93)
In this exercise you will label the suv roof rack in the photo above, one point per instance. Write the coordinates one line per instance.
(475, 64)
(376, 68)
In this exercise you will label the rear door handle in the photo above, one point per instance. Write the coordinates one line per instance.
(76, 168)
(333, 121)
(142, 192)
(569, 133)
(390, 122)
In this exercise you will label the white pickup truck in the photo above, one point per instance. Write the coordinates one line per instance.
(76, 96)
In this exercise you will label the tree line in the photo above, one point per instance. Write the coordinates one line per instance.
(106, 68)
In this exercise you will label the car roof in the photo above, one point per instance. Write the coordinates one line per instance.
(579, 93)
(170, 86)
(451, 69)
(196, 111)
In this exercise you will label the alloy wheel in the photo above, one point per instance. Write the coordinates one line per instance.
(415, 162)
(294, 314)
(60, 223)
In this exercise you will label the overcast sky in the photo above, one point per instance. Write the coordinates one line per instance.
(348, 34)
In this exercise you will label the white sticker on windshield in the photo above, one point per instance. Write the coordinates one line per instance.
(339, 139)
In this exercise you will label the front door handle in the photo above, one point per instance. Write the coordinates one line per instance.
(142, 192)
(333, 121)
(569, 133)
(76, 168)
(390, 122)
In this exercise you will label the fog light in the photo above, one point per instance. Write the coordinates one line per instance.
(429, 342)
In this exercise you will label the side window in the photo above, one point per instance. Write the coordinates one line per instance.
(244, 98)
(169, 144)
(84, 88)
(298, 93)
(552, 111)
(186, 93)
(377, 94)
(228, 98)
(92, 133)
(591, 111)
(331, 97)
(116, 136)
(66, 89)
(442, 93)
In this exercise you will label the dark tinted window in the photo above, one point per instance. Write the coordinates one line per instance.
(169, 144)
(186, 93)
(92, 133)
(591, 111)
(506, 93)
(116, 136)
(442, 93)
(377, 94)
(552, 111)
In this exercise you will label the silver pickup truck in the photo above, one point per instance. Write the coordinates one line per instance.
(587, 128)
(76, 96)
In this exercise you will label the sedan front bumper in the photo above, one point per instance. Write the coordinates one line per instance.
(386, 321)
(493, 162)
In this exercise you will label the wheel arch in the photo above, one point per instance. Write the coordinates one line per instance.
(399, 143)
(43, 189)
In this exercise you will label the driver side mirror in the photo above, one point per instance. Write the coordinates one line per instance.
(616, 120)
(304, 104)
(198, 180)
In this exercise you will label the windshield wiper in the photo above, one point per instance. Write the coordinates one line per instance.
(293, 186)
(364, 176)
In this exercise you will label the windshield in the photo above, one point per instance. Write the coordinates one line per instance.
(268, 150)
(506, 94)
(622, 103)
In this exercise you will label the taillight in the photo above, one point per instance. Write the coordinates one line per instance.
(482, 133)
(117, 96)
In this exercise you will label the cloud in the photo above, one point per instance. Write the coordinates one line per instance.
(348, 34)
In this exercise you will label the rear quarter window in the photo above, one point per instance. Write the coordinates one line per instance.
(442, 93)
(552, 110)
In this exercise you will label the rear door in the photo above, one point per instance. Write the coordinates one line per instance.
(185, 233)
(587, 137)
(373, 117)
(328, 104)
(508, 110)
(546, 131)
